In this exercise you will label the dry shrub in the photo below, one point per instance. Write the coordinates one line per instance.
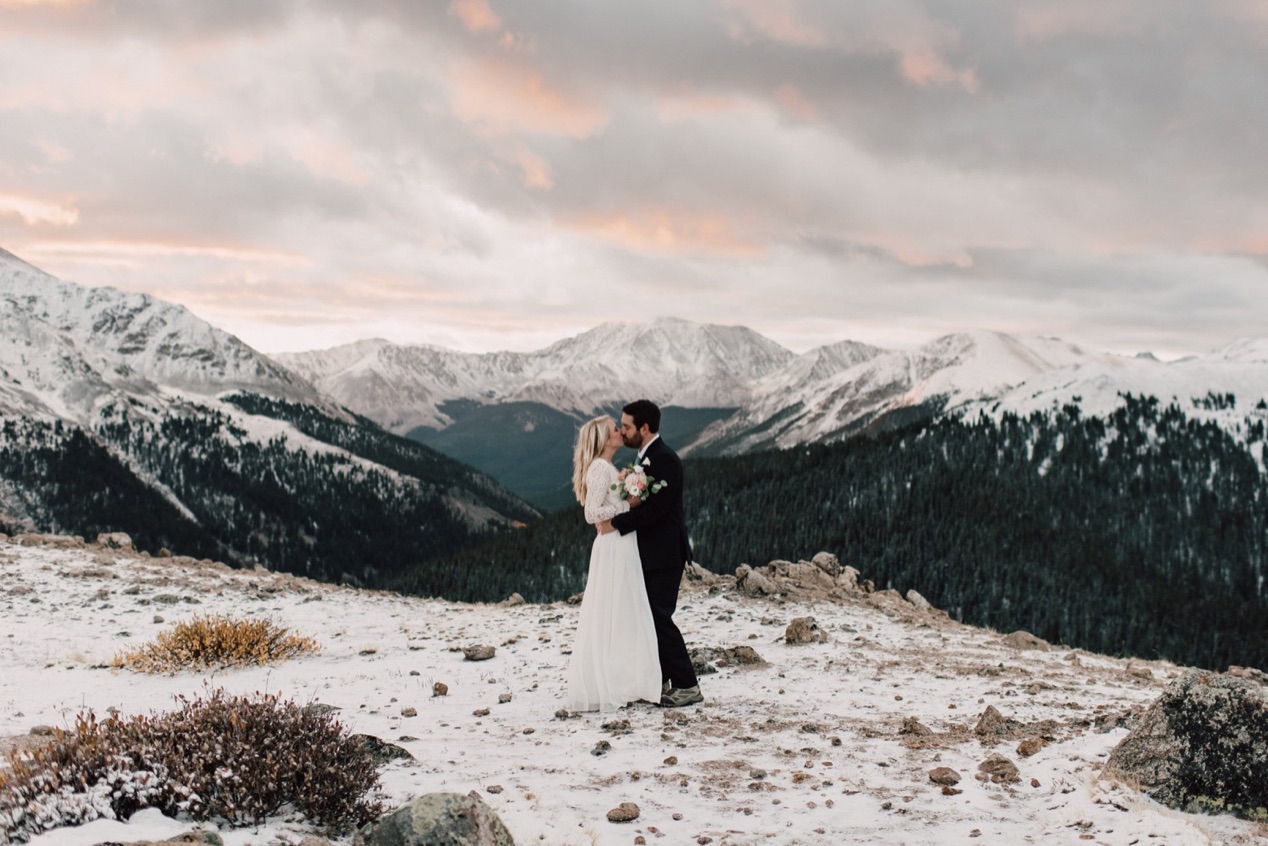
(215, 641)
(231, 759)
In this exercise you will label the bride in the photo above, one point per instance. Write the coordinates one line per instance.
(614, 658)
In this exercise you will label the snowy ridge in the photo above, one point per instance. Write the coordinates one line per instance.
(74, 343)
(673, 362)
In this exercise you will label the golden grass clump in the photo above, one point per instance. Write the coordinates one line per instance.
(215, 641)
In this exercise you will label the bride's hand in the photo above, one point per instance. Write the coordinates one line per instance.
(622, 474)
(634, 501)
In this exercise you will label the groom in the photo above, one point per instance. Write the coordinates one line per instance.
(662, 546)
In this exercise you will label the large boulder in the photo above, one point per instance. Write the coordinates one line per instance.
(1203, 745)
(441, 819)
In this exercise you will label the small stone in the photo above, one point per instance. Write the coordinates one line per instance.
(481, 712)
(409, 712)
(913, 726)
(495, 789)
(948, 790)
(439, 689)
(1029, 746)
(640, 840)
(1000, 770)
(944, 775)
(368, 651)
(676, 817)
(504, 698)
(43, 731)
(601, 748)
(625, 812)
(478, 653)
(671, 761)
(561, 714)
(415, 673)
(158, 618)
(1034, 782)
(530, 730)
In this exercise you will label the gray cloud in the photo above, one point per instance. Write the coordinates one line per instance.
(814, 169)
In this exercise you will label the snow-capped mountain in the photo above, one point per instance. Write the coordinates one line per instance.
(673, 362)
(65, 345)
(120, 410)
(811, 400)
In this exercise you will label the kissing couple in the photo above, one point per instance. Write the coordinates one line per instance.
(628, 647)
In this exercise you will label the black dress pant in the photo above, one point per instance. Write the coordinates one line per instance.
(662, 595)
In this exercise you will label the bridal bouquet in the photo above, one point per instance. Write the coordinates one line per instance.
(634, 481)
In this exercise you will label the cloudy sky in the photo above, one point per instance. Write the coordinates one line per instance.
(498, 174)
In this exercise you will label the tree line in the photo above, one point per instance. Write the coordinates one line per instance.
(1139, 533)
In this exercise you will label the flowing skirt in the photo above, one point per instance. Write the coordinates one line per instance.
(614, 658)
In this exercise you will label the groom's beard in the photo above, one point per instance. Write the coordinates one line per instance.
(634, 442)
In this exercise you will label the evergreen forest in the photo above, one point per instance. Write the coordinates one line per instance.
(1141, 533)
(213, 490)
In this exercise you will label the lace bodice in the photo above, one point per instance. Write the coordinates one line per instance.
(602, 503)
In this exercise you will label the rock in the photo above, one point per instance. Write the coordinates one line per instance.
(1136, 671)
(409, 712)
(707, 660)
(43, 731)
(913, 726)
(601, 748)
(945, 776)
(1000, 770)
(1030, 746)
(804, 630)
(625, 812)
(1203, 744)
(511, 601)
(115, 540)
(205, 838)
(380, 750)
(504, 698)
(693, 573)
(440, 689)
(849, 579)
(828, 563)
(919, 601)
(1025, 640)
(753, 582)
(441, 819)
(993, 725)
(478, 653)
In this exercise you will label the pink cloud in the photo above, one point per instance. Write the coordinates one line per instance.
(536, 170)
(475, 15)
(777, 20)
(793, 102)
(35, 212)
(503, 98)
(928, 69)
(669, 231)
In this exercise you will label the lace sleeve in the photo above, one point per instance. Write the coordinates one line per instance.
(600, 506)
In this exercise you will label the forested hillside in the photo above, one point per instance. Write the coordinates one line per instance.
(1142, 533)
(348, 502)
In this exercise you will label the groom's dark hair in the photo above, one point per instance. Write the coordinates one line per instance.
(644, 411)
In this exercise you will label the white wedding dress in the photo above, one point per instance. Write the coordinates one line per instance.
(614, 658)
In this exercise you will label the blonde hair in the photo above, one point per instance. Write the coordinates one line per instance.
(590, 442)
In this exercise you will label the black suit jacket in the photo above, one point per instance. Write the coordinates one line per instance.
(659, 521)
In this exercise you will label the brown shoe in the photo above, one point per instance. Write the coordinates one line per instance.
(680, 696)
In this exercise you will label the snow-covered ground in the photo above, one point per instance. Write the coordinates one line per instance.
(805, 750)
